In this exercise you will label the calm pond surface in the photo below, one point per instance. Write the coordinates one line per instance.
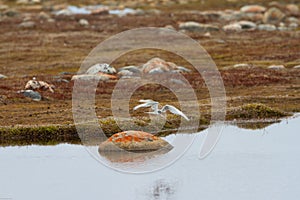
(245, 164)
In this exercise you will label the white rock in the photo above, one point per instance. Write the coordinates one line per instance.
(232, 27)
(83, 22)
(241, 65)
(247, 25)
(2, 76)
(197, 27)
(266, 27)
(297, 67)
(27, 24)
(104, 68)
(253, 9)
(276, 67)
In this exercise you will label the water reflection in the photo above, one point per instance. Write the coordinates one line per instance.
(242, 166)
(162, 190)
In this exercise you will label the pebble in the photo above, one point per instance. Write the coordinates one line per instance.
(247, 25)
(253, 9)
(4, 7)
(293, 25)
(276, 67)
(104, 68)
(241, 65)
(31, 94)
(292, 9)
(296, 67)
(27, 24)
(11, 13)
(43, 16)
(293, 20)
(2, 76)
(266, 27)
(197, 27)
(232, 27)
(83, 22)
(273, 16)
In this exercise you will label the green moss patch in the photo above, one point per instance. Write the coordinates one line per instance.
(255, 111)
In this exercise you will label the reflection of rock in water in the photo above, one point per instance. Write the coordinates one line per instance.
(162, 190)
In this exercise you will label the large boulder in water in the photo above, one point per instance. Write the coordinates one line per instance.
(134, 141)
(133, 146)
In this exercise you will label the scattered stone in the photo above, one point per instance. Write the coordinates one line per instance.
(247, 25)
(276, 67)
(273, 16)
(4, 7)
(11, 13)
(83, 22)
(31, 94)
(129, 71)
(35, 85)
(134, 141)
(51, 20)
(293, 20)
(241, 65)
(255, 17)
(157, 65)
(266, 27)
(90, 77)
(296, 67)
(27, 24)
(2, 76)
(232, 27)
(197, 27)
(170, 27)
(292, 9)
(104, 68)
(293, 25)
(253, 9)
(43, 16)
(208, 35)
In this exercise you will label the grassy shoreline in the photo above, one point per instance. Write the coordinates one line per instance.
(249, 116)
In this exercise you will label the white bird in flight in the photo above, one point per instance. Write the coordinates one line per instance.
(156, 111)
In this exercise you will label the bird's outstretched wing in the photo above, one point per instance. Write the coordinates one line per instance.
(147, 103)
(174, 110)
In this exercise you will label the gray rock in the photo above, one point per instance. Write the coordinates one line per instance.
(83, 22)
(266, 27)
(273, 16)
(132, 69)
(2, 76)
(293, 20)
(276, 67)
(197, 27)
(11, 13)
(253, 9)
(31, 94)
(27, 24)
(293, 25)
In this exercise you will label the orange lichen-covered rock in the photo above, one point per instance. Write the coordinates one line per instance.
(135, 141)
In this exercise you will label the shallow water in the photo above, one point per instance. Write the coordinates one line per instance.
(245, 164)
